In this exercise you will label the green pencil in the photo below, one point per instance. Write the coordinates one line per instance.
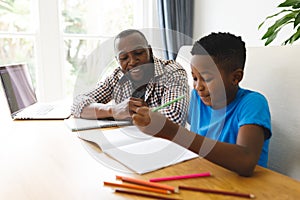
(168, 103)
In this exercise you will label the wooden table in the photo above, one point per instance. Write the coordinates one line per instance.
(44, 160)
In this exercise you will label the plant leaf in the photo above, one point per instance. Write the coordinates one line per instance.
(289, 3)
(292, 38)
(297, 5)
(280, 22)
(6, 5)
(295, 36)
(271, 38)
(273, 16)
(297, 20)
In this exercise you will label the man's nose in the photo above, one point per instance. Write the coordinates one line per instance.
(133, 60)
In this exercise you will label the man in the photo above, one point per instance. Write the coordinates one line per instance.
(140, 80)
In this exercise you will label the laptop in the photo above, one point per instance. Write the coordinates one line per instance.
(21, 98)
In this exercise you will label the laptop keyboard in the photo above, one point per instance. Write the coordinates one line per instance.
(35, 111)
(42, 110)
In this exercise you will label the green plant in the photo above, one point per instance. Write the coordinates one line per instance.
(290, 15)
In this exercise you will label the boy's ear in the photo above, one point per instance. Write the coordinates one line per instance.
(237, 76)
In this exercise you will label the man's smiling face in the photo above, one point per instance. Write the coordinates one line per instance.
(133, 54)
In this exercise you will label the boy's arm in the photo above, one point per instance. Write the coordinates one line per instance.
(241, 157)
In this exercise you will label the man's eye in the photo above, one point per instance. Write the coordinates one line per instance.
(139, 52)
(122, 58)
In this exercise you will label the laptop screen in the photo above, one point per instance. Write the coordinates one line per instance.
(17, 86)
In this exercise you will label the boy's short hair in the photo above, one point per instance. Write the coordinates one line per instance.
(227, 50)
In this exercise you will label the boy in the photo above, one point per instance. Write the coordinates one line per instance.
(230, 126)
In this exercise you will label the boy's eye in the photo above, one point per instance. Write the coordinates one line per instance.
(195, 78)
(207, 79)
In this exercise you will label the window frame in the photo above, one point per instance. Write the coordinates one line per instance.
(49, 44)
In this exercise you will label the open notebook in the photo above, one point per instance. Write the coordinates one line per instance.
(137, 151)
(79, 124)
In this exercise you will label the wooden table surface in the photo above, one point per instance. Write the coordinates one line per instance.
(44, 160)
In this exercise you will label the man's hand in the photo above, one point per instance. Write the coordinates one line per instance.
(125, 109)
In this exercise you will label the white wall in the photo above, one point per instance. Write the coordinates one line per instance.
(239, 17)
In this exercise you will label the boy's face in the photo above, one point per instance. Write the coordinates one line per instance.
(214, 86)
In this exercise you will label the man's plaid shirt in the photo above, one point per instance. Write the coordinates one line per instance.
(169, 81)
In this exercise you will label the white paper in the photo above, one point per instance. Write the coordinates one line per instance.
(78, 124)
(136, 150)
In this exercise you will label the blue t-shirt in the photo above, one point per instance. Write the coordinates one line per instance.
(249, 107)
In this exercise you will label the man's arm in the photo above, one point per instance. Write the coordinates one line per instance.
(176, 85)
(92, 104)
(96, 111)
(123, 110)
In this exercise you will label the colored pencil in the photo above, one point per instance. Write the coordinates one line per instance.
(145, 194)
(205, 174)
(217, 191)
(168, 103)
(147, 183)
(137, 187)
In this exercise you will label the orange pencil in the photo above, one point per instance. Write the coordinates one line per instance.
(147, 183)
(146, 195)
(137, 187)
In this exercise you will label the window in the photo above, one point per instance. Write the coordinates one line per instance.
(17, 33)
(87, 24)
(55, 37)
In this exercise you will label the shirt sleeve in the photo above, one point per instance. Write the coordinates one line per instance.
(255, 110)
(176, 85)
(101, 94)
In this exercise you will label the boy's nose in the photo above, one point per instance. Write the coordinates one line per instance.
(199, 86)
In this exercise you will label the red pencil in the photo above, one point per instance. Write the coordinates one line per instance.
(182, 187)
(170, 178)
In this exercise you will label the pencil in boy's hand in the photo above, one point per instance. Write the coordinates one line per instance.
(182, 187)
(145, 194)
(168, 103)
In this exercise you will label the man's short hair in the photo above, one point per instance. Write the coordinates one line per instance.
(129, 32)
(227, 50)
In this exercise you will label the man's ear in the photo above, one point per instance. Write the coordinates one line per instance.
(237, 76)
(150, 51)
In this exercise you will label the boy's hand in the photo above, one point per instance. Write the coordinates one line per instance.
(141, 117)
(149, 122)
